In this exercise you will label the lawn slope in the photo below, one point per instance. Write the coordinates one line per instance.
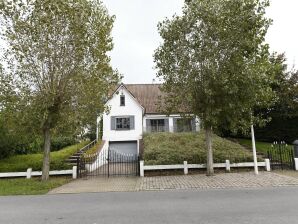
(262, 147)
(174, 148)
(20, 163)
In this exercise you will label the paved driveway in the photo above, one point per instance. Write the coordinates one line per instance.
(219, 181)
(98, 184)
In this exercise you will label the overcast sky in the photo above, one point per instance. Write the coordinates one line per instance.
(136, 37)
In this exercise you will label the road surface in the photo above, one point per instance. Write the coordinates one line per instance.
(264, 206)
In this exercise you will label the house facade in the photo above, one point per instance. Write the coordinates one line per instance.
(134, 109)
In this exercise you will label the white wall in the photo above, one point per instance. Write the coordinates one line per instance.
(131, 108)
(101, 158)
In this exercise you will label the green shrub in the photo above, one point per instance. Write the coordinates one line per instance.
(174, 148)
(58, 143)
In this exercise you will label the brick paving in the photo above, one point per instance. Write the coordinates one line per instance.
(182, 182)
(227, 180)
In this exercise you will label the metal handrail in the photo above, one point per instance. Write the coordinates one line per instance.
(86, 147)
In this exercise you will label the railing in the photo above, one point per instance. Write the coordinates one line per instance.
(281, 156)
(87, 147)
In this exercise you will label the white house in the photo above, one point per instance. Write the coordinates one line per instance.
(134, 110)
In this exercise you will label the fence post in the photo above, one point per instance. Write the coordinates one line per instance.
(267, 164)
(142, 168)
(78, 167)
(74, 172)
(185, 167)
(29, 173)
(228, 165)
(296, 163)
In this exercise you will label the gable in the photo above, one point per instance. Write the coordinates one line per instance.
(130, 101)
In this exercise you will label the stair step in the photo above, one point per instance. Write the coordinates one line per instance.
(71, 160)
(78, 153)
(71, 164)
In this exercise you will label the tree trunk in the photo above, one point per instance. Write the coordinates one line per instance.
(46, 154)
(208, 135)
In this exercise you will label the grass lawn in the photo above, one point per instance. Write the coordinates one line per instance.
(20, 163)
(174, 148)
(262, 147)
(22, 186)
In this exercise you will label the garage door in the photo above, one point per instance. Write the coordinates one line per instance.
(130, 147)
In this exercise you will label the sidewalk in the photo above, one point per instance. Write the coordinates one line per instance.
(185, 182)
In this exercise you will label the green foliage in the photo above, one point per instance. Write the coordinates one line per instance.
(20, 163)
(61, 142)
(58, 55)
(34, 186)
(15, 141)
(215, 57)
(283, 115)
(174, 148)
(279, 129)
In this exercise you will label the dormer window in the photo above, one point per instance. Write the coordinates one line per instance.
(122, 100)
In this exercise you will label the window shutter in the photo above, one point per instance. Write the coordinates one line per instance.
(113, 123)
(132, 122)
(148, 125)
(167, 125)
(175, 124)
(193, 124)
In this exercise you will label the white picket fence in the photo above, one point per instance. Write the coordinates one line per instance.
(185, 166)
(29, 173)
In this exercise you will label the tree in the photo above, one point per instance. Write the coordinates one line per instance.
(213, 58)
(57, 56)
(284, 113)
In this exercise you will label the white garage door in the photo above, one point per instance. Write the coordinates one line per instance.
(128, 147)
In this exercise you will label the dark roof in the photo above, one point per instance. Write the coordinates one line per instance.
(148, 95)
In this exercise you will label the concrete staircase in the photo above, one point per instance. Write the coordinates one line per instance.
(72, 160)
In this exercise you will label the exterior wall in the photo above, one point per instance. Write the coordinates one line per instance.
(131, 108)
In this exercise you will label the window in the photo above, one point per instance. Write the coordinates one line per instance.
(157, 125)
(184, 125)
(123, 123)
(122, 100)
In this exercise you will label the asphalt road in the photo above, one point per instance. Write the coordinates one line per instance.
(264, 206)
